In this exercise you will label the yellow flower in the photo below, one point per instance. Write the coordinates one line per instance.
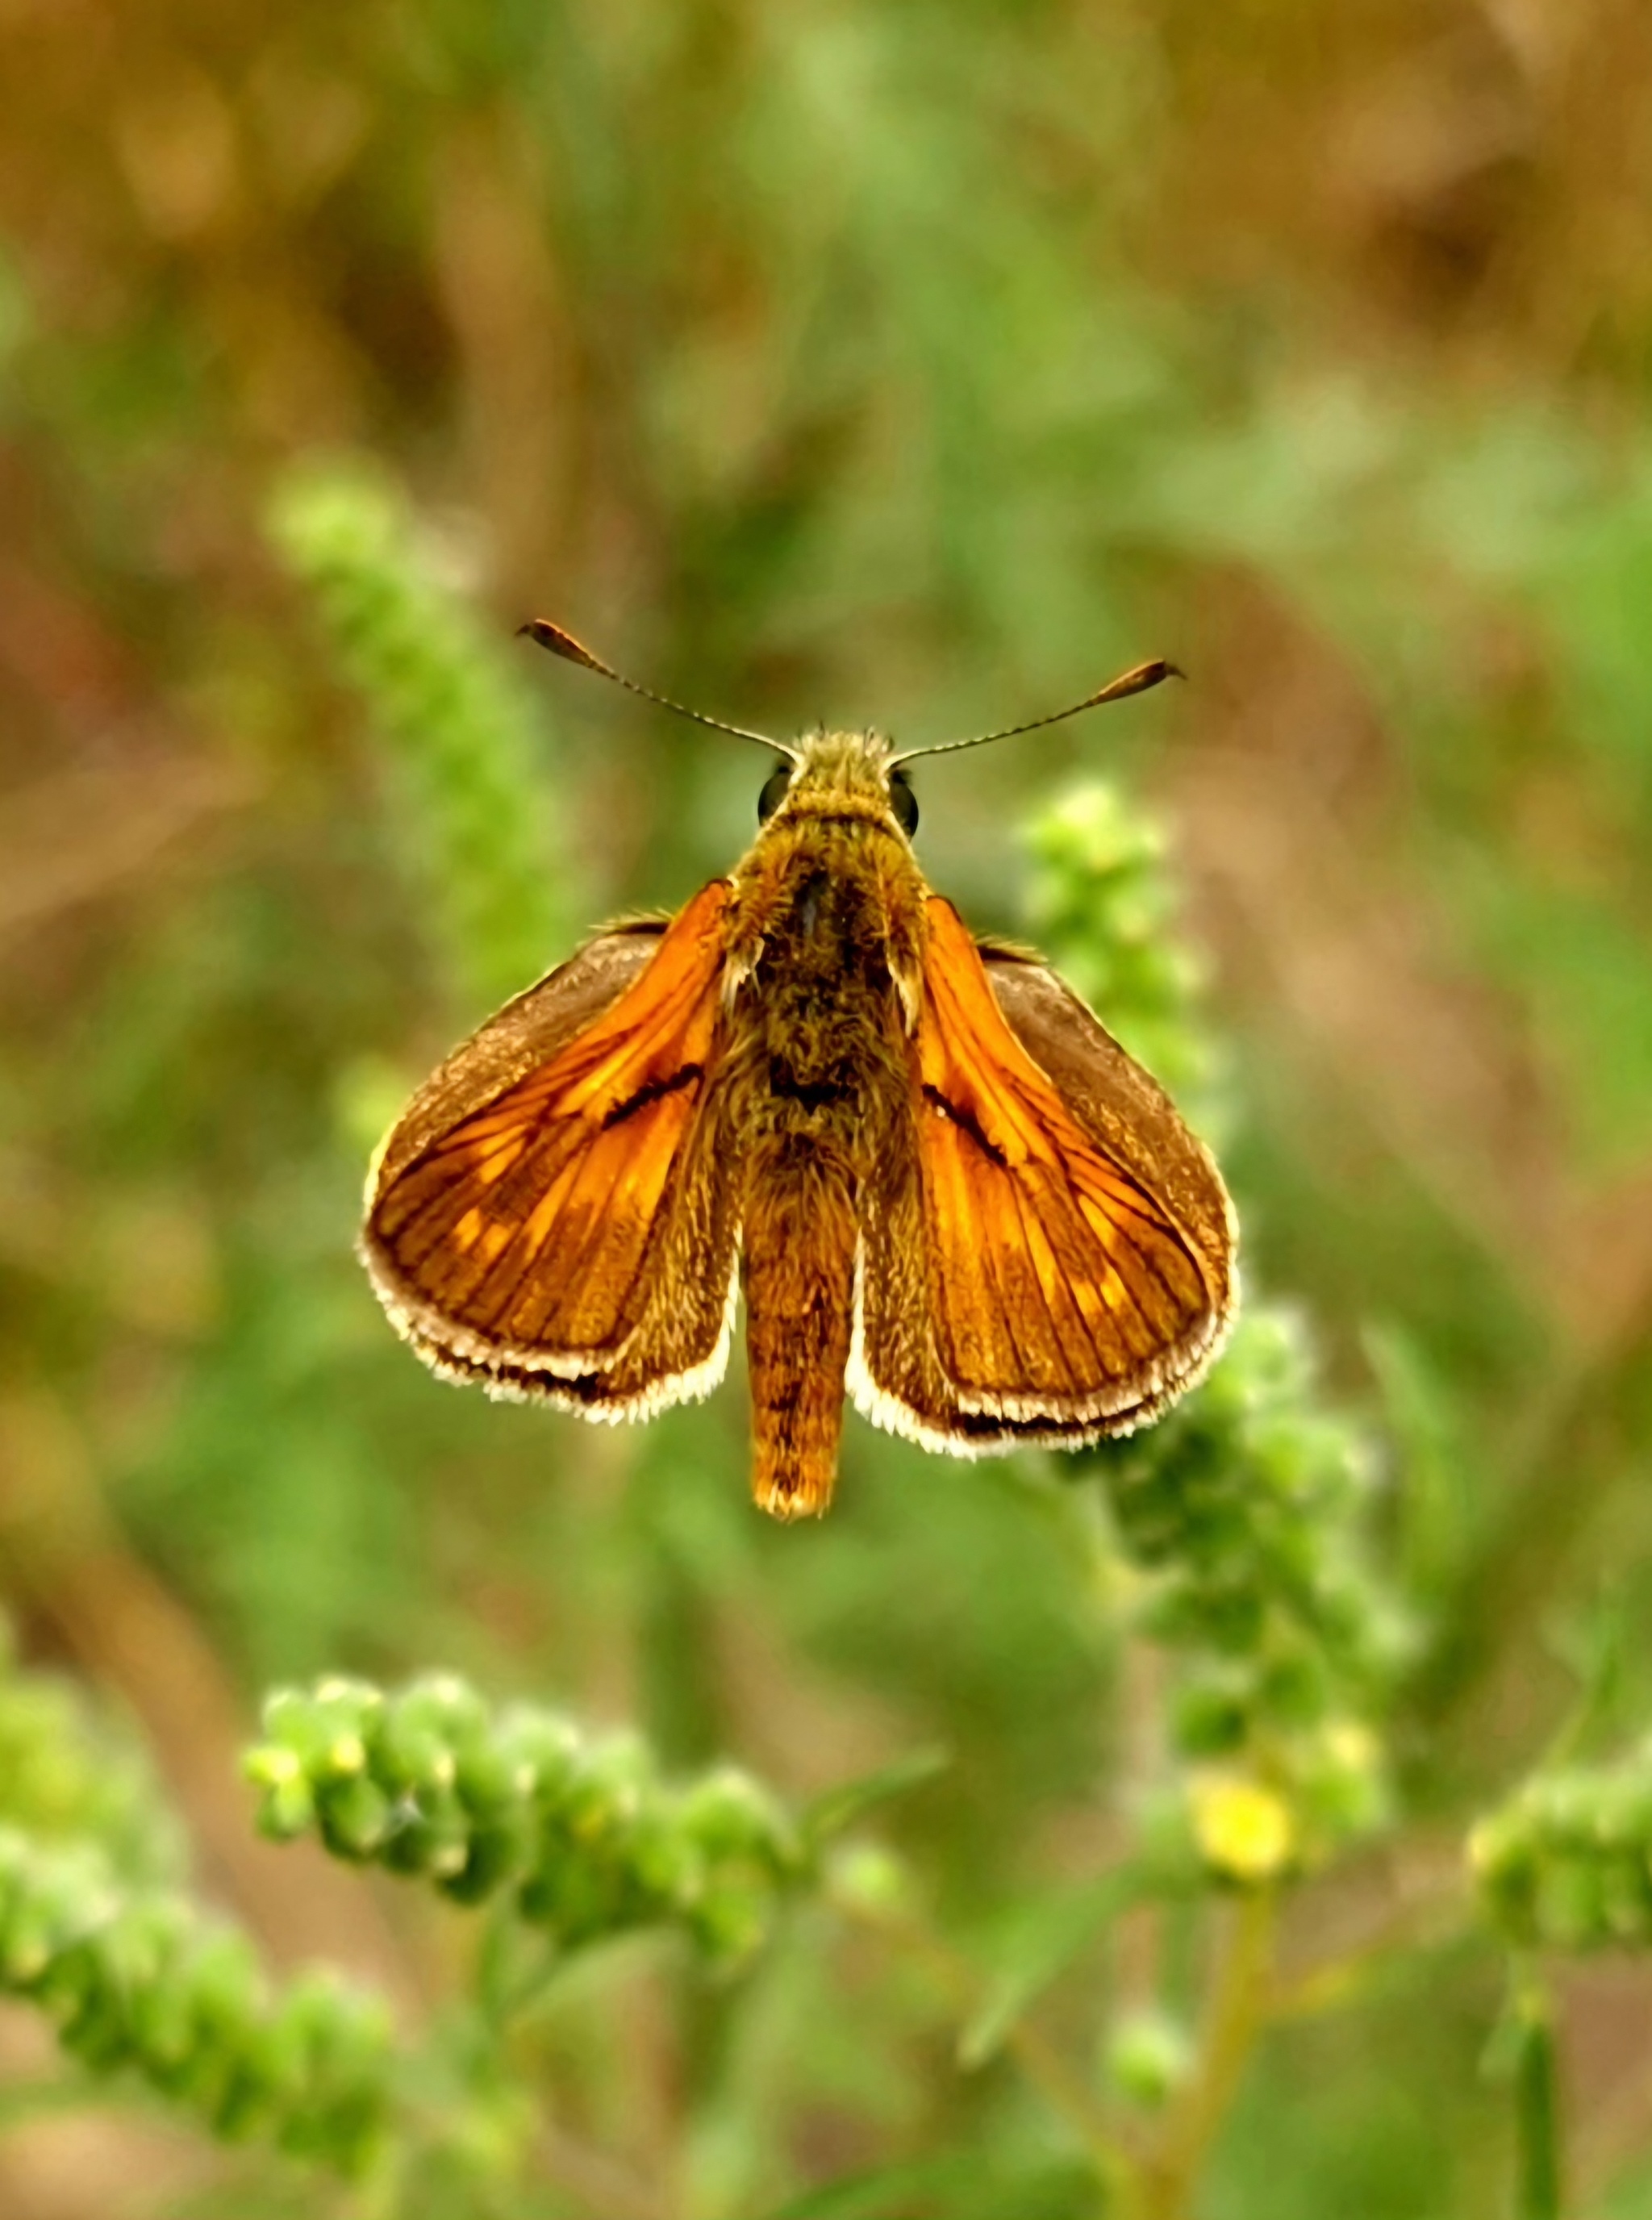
(1242, 1830)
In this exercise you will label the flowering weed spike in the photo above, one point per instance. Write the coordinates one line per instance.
(582, 1833)
(67, 1774)
(1247, 1507)
(1566, 1862)
(137, 1981)
(1099, 903)
(462, 731)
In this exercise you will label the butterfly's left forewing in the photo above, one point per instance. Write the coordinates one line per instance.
(550, 1215)
(1052, 1263)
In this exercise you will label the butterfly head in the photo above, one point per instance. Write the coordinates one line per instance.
(837, 775)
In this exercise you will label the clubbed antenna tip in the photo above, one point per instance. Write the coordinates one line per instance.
(1137, 680)
(552, 637)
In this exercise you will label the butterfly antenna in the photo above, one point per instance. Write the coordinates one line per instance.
(564, 644)
(1145, 674)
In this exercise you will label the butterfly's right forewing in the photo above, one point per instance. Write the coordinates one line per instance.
(1051, 1258)
(1125, 1113)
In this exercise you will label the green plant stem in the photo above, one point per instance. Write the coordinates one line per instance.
(1539, 2195)
(1239, 2009)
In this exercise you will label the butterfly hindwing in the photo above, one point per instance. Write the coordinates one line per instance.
(1045, 1268)
(548, 1215)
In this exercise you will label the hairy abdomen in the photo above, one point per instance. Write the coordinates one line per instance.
(818, 1071)
(799, 1268)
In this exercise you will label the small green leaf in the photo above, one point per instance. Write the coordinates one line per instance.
(850, 1800)
(888, 2193)
(1047, 1936)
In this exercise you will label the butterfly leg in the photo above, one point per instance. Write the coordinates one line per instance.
(798, 1269)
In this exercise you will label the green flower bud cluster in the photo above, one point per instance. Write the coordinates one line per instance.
(1245, 1505)
(1566, 1862)
(67, 1776)
(458, 721)
(1099, 904)
(141, 1980)
(1147, 2055)
(583, 1832)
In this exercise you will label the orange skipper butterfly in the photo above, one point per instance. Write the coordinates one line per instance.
(942, 1186)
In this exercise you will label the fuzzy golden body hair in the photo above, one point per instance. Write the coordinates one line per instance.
(827, 939)
(943, 1187)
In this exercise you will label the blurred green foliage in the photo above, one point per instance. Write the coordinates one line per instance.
(915, 365)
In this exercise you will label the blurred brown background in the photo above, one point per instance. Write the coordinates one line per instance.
(918, 366)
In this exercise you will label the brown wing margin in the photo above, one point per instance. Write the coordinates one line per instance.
(550, 1216)
(1075, 1240)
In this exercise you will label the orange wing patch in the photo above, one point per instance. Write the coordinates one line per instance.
(521, 1238)
(1060, 1288)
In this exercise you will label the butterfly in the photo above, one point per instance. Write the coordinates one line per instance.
(942, 1185)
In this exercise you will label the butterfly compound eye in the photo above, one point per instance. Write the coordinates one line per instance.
(774, 792)
(904, 802)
